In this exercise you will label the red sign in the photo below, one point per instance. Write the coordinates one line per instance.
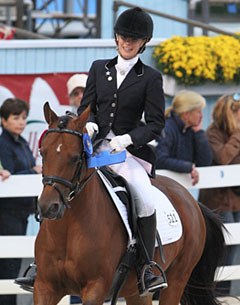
(22, 86)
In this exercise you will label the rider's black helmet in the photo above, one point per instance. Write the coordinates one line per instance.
(134, 23)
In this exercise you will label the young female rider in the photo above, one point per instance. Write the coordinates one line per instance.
(119, 92)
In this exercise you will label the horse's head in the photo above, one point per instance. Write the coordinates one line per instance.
(64, 161)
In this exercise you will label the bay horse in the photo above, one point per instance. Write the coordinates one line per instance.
(82, 238)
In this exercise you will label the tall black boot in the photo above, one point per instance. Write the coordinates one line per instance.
(147, 228)
(27, 281)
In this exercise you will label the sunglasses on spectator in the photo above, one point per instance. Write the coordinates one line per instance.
(236, 97)
(235, 102)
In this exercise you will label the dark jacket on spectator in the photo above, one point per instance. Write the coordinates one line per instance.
(226, 150)
(17, 158)
(178, 148)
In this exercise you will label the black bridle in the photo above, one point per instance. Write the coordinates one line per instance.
(75, 184)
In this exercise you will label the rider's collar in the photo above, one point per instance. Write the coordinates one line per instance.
(138, 67)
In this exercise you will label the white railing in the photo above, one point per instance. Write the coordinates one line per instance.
(31, 185)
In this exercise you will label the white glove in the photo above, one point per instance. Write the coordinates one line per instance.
(91, 128)
(118, 143)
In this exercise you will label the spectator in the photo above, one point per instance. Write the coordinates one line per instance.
(4, 174)
(224, 137)
(17, 158)
(183, 144)
(75, 87)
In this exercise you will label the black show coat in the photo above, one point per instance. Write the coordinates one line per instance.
(121, 109)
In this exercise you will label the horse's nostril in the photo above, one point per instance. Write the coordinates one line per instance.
(53, 210)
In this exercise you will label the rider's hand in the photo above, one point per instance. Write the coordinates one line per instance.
(91, 128)
(119, 143)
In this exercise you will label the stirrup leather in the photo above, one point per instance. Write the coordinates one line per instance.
(32, 265)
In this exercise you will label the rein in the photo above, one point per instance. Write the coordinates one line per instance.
(75, 185)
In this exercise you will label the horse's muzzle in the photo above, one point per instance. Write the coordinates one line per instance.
(54, 211)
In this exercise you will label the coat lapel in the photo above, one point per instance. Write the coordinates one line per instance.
(111, 74)
(133, 76)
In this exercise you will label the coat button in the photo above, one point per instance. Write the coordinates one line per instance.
(115, 95)
(111, 114)
(110, 124)
(113, 104)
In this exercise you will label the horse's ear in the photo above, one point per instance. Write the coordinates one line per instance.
(49, 114)
(83, 118)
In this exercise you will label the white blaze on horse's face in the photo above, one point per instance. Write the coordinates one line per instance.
(59, 147)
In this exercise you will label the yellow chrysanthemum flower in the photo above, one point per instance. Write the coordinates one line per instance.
(192, 60)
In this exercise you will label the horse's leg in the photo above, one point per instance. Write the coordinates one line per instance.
(45, 295)
(94, 293)
(178, 275)
(176, 285)
(137, 300)
(183, 255)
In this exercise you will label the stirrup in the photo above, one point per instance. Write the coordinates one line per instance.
(27, 287)
(141, 284)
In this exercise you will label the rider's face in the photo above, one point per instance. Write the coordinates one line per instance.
(128, 47)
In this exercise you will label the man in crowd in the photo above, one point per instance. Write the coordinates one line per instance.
(75, 87)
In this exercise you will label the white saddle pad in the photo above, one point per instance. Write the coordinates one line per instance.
(169, 224)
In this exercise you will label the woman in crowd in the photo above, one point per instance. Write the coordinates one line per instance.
(17, 158)
(183, 144)
(224, 137)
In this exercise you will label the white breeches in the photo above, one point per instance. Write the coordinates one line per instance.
(144, 194)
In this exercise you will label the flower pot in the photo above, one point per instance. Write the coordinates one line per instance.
(171, 87)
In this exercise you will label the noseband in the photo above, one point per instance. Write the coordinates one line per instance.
(75, 185)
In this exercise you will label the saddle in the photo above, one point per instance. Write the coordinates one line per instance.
(133, 255)
(123, 191)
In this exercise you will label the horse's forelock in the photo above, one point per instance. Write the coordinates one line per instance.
(76, 122)
(63, 121)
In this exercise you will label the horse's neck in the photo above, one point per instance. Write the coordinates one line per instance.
(94, 196)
